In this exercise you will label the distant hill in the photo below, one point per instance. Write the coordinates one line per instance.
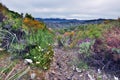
(64, 23)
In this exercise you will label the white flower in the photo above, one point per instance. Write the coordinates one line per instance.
(27, 54)
(37, 62)
(42, 49)
(45, 67)
(39, 47)
(99, 71)
(1, 49)
(34, 57)
(48, 52)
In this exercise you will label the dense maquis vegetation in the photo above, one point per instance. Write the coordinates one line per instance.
(97, 45)
(25, 37)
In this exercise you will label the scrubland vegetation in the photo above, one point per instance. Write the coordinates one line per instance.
(98, 45)
(23, 37)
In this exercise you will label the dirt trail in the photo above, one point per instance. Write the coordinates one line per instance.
(62, 68)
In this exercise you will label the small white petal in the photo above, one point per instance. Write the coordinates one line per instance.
(99, 71)
(116, 78)
(37, 62)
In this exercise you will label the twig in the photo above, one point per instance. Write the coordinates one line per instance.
(10, 73)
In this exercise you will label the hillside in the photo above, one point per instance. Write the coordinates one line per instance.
(25, 41)
(67, 23)
(76, 50)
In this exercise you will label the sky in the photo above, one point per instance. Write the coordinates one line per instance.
(70, 9)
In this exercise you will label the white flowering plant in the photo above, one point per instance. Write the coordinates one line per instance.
(41, 56)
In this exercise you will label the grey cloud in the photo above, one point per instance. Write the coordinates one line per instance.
(80, 9)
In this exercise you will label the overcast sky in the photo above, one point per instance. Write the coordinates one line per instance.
(77, 9)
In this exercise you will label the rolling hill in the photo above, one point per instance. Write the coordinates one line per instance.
(66, 23)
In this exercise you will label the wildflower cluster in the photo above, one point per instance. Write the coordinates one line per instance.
(41, 56)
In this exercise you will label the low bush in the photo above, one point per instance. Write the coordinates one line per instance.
(85, 46)
(37, 43)
(41, 56)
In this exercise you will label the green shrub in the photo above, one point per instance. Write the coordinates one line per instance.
(82, 65)
(16, 48)
(85, 47)
(41, 37)
(41, 56)
(43, 53)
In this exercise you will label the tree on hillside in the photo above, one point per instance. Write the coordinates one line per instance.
(119, 19)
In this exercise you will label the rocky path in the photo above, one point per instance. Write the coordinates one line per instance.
(63, 68)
